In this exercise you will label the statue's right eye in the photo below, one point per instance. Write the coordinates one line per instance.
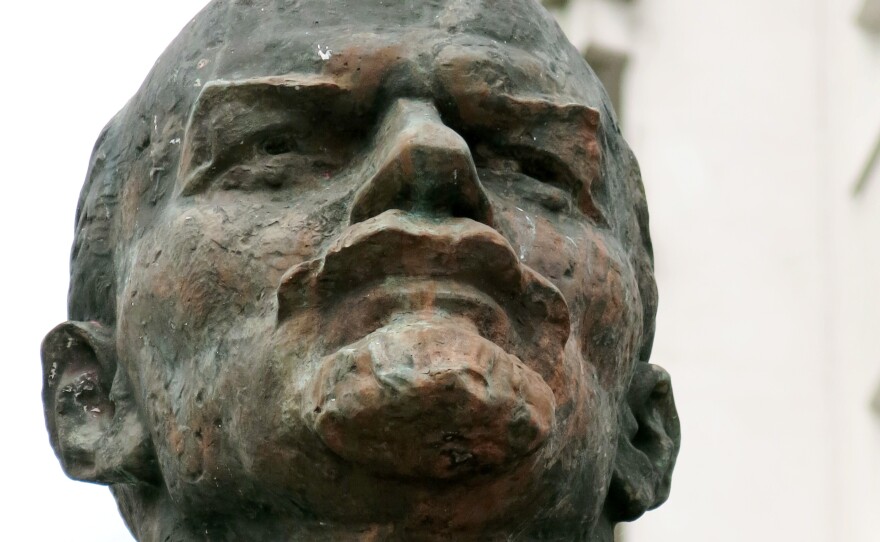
(277, 145)
(271, 158)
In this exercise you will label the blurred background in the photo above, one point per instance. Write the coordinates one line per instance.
(757, 125)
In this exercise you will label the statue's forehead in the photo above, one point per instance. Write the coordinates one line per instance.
(243, 20)
(238, 40)
(413, 56)
(414, 64)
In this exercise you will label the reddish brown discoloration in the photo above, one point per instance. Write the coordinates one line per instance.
(365, 67)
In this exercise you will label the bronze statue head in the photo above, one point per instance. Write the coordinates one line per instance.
(364, 270)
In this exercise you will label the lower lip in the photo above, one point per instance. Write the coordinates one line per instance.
(429, 398)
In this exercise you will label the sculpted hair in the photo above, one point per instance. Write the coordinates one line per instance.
(133, 168)
(134, 163)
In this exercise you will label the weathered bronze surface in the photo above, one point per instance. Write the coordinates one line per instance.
(364, 270)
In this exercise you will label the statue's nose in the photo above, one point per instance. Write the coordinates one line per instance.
(420, 165)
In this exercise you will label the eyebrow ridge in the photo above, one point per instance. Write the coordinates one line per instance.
(196, 159)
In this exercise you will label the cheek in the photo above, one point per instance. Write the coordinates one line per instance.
(538, 243)
(610, 315)
(186, 277)
(197, 310)
(186, 288)
(591, 270)
(206, 268)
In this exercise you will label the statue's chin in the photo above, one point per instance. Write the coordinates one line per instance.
(429, 398)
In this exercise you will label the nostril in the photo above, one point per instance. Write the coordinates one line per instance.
(425, 193)
(468, 211)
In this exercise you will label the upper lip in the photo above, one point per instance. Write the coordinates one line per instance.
(396, 243)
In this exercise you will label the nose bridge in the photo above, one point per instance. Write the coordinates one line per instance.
(420, 165)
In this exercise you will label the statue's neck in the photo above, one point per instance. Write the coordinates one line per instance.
(154, 518)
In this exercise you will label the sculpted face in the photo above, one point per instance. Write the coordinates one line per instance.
(385, 289)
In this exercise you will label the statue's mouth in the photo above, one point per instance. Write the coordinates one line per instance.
(441, 352)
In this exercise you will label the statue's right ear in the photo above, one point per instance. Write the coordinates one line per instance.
(94, 425)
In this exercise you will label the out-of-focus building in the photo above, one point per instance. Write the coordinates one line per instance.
(757, 125)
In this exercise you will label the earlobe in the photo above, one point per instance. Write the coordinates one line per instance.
(94, 426)
(648, 445)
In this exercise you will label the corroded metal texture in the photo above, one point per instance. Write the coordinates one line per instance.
(364, 270)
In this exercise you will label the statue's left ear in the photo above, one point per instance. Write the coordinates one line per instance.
(647, 447)
(93, 422)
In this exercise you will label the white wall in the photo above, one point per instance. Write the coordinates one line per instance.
(751, 120)
(852, 64)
